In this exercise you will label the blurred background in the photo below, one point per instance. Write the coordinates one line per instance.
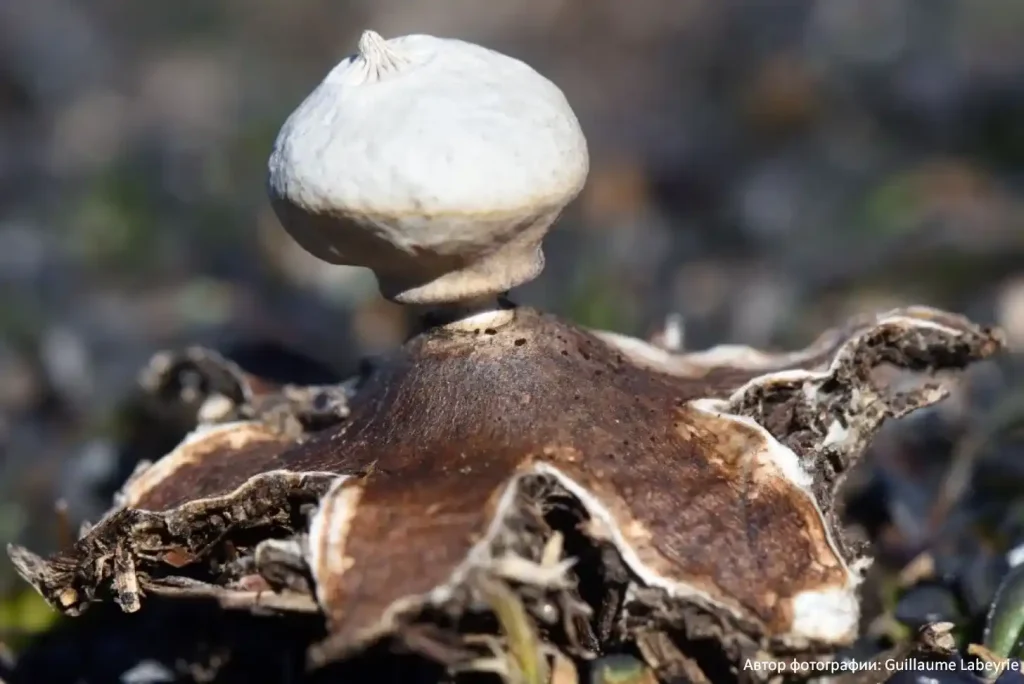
(763, 169)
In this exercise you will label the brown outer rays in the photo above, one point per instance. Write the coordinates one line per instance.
(702, 503)
(220, 479)
(712, 474)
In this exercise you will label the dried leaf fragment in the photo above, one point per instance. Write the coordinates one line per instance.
(221, 391)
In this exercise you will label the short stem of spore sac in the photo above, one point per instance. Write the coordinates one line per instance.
(483, 313)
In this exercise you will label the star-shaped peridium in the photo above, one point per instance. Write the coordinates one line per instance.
(708, 477)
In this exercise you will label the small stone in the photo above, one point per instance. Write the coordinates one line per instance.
(620, 669)
(1013, 674)
(1010, 314)
(926, 604)
(147, 672)
(933, 676)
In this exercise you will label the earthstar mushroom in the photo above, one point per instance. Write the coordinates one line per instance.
(690, 497)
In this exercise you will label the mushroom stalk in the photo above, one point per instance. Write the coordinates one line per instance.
(468, 315)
